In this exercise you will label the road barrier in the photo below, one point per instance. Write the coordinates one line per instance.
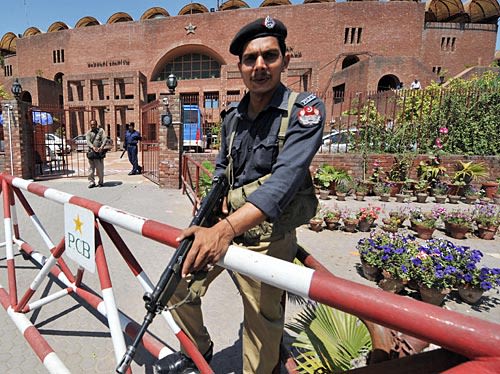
(477, 340)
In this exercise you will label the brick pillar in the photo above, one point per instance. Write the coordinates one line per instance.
(170, 160)
(18, 135)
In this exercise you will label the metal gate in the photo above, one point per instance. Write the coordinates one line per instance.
(150, 126)
(56, 151)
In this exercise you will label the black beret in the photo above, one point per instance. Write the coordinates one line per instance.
(257, 29)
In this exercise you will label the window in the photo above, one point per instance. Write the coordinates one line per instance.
(7, 70)
(211, 100)
(352, 35)
(191, 66)
(436, 69)
(58, 56)
(448, 43)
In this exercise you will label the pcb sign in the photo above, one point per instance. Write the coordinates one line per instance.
(80, 235)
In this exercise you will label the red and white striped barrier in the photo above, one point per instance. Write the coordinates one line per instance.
(468, 336)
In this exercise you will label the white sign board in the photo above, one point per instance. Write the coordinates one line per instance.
(80, 235)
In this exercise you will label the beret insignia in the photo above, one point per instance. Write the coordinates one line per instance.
(269, 22)
(309, 116)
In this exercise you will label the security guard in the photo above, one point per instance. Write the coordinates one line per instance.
(132, 137)
(267, 144)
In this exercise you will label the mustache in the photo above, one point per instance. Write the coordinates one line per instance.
(260, 75)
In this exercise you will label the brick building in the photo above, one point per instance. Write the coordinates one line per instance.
(113, 69)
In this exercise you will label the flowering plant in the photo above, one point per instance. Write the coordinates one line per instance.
(440, 189)
(390, 252)
(485, 278)
(381, 188)
(348, 215)
(434, 265)
(427, 218)
(361, 188)
(486, 215)
(330, 213)
(458, 217)
(471, 191)
(401, 214)
(368, 214)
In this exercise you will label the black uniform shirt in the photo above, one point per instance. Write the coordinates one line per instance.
(256, 146)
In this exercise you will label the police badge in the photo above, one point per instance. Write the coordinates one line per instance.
(309, 116)
(269, 22)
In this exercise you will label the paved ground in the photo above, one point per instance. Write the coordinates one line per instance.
(83, 342)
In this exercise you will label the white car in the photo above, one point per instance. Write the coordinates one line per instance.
(338, 141)
(80, 143)
(57, 145)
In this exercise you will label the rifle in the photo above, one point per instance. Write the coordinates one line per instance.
(124, 150)
(157, 301)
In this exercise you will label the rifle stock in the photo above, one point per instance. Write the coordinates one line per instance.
(125, 150)
(156, 301)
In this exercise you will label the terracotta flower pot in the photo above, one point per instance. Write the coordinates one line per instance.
(370, 272)
(384, 197)
(471, 199)
(350, 225)
(424, 232)
(421, 197)
(323, 194)
(400, 198)
(360, 196)
(364, 225)
(395, 188)
(391, 284)
(486, 232)
(332, 223)
(490, 188)
(434, 296)
(471, 295)
(316, 224)
(440, 199)
(456, 231)
(341, 196)
(454, 199)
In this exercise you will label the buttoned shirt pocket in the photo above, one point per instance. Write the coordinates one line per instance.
(264, 154)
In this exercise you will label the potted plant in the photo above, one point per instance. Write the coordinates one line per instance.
(400, 214)
(343, 189)
(316, 223)
(432, 271)
(487, 218)
(473, 282)
(440, 192)
(350, 220)
(398, 173)
(471, 194)
(468, 172)
(382, 190)
(423, 223)
(431, 170)
(391, 224)
(457, 223)
(360, 190)
(331, 218)
(490, 188)
(421, 190)
(366, 217)
(328, 176)
(496, 197)
(324, 179)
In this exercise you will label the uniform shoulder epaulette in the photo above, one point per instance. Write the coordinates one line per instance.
(307, 100)
(231, 107)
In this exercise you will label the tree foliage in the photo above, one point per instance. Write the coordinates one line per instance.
(461, 118)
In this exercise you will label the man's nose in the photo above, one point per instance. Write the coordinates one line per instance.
(260, 63)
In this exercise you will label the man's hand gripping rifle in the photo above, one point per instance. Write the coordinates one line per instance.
(157, 301)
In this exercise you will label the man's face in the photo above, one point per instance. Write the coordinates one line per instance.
(261, 65)
(93, 124)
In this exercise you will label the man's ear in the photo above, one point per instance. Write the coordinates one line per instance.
(286, 61)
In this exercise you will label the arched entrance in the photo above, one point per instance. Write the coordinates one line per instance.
(388, 82)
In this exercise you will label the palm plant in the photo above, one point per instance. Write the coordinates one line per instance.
(468, 172)
(328, 339)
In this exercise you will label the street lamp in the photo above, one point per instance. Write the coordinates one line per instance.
(166, 119)
(171, 83)
(16, 89)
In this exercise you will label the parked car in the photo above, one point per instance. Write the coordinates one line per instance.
(80, 143)
(56, 144)
(338, 141)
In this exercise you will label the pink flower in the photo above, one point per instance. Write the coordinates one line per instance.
(376, 164)
(438, 143)
(443, 130)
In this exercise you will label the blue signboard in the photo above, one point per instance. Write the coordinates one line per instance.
(42, 118)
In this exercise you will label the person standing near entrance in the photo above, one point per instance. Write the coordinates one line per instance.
(132, 137)
(268, 142)
(96, 140)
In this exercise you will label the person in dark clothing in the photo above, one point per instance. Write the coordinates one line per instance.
(132, 137)
(268, 141)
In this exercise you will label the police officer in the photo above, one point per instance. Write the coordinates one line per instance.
(267, 144)
(132, 137)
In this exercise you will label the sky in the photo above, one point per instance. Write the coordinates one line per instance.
(18, 15)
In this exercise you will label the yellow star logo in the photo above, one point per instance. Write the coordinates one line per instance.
(78, 224)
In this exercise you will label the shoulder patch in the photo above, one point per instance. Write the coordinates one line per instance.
(309, 116)
(308, 99)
